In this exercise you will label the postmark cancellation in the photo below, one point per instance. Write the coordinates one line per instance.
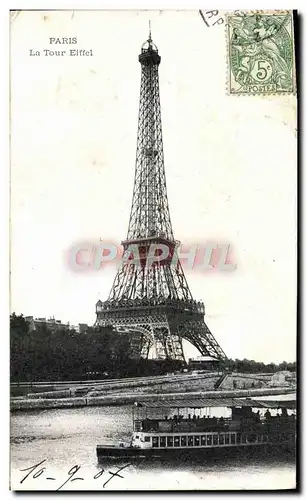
(260, 53)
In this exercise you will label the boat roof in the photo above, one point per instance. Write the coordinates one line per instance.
(219, 402)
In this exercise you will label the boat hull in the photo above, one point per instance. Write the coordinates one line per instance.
(183, 454)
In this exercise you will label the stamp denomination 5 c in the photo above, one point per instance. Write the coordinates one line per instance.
(260, 52)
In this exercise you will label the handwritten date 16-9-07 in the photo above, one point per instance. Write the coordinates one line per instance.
(39, 471)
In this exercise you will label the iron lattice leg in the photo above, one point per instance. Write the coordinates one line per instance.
(153, 332)
(145, 347)
(198, 333)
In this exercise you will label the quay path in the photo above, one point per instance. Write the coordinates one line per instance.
(24, 404)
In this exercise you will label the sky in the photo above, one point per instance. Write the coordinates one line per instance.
(230, 168)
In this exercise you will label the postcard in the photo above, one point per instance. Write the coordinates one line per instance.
(153, 222)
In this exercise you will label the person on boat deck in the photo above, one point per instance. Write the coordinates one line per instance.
(284, 413)
(258, 416)
(267, 414)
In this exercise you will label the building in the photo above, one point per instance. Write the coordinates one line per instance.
(203, 363)
(82, 328)
(54, 324)
(282, 378)
(51, 323)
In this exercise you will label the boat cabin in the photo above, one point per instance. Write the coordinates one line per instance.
(212, 423)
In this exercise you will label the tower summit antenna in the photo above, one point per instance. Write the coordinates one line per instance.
(149, 39)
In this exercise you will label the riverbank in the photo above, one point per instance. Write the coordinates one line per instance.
(172, 382)
(25, 404)
(164, 383)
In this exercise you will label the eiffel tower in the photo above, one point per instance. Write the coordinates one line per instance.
(152, 301)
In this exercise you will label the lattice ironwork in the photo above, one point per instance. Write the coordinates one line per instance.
(154, 299)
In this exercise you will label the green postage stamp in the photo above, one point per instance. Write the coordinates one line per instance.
(260, 53)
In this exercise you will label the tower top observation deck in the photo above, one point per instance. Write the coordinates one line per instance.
(149, 52)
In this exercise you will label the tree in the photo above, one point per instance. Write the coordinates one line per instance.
(43, 354)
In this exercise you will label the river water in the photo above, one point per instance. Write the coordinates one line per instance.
(64, 440)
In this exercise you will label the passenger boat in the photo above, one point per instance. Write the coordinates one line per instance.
(184, 430)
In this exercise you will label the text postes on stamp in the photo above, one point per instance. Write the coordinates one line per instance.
(260, 51)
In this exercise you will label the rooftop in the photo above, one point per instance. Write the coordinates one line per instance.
(219, 402)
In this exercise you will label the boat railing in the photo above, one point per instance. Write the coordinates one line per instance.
(211, 424)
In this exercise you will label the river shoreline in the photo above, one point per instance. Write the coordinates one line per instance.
(26, 404)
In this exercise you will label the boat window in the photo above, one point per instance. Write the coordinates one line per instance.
(265, 438)
(209, 440)
(155, 442)
(238, 438)
(243, 438)
(233, 439)
(251, 438)
(215, 439)
(196, 441)
(183, 440)
(176, 441)
(190, 441)
(170, 441)
(162, 442)
(226, 438)
(203, 440)
(221, 438)
(147, 439)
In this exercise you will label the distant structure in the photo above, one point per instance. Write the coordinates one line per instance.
(203, 363)
(54, 324)
(283, 378)
(153, 300)
(82, 328)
